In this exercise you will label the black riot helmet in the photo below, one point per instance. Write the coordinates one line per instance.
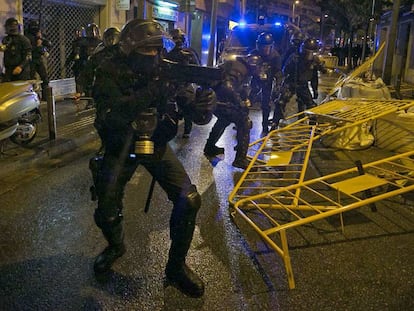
(264, 43)
(111, 36)
(308, 48)
(12, 26)
(33, 27)
(144, 36)
(297, 38)
(178, 35)
(92, 31)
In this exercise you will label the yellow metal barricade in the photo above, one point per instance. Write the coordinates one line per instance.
(308, 201)
(289, 147)
(329, 61)
(279, 161)
(275, 177)
(358, 71)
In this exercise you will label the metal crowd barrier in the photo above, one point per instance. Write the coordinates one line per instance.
(275, 178)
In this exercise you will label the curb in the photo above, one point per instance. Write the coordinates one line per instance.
(47, 151)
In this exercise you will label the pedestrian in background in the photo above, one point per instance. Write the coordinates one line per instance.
(40, 47)
(17, 52)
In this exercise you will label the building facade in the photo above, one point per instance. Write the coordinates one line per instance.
(60, 18)
(402, 52)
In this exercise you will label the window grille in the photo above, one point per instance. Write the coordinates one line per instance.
(58, 21)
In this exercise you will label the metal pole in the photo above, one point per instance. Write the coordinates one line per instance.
(321, 35)
(293, 12)
(213, 34)
(243, 8)
(392, 37)
(51, 113)
(188, 27)
(371, 28)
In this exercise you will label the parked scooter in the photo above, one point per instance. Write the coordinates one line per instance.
(19, 111)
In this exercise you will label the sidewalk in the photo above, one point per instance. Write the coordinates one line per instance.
(74, 130)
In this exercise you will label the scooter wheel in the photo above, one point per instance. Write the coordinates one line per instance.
(24, 134)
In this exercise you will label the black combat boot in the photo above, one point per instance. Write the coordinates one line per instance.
(183, 278)
(178, 274)
(112, 252)
(241, 162)
(212, 150)
(106, 259)
(240, 159)
(243, 137)
(265, 128)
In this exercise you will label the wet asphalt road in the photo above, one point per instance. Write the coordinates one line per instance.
(49, 241)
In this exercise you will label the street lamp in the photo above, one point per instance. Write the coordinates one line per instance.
(293, 10)
(322, 24)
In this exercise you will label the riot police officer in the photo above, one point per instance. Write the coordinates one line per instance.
(17, 52)
(74, 56)
(301, 68)
(86, 47)
(295, 41)
(132, 106)
(105, 49)
(265, 62)
(40, 47)
(183, 54)
(232, 107)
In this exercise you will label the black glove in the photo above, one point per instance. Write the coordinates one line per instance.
(203, 106)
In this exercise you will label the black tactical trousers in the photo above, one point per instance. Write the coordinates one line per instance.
(40, 68)
(117, 169)
(227, 114)
(266, 104)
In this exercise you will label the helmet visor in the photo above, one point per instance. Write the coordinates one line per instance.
(162, 42)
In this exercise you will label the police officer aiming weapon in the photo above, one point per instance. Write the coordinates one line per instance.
(136, 122)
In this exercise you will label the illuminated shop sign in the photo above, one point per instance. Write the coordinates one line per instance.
(122, 5)
(166, 13)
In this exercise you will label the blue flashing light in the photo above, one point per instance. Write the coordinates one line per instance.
(242, 23)
(278, 24)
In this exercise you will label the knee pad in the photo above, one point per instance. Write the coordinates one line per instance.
(182, 221)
